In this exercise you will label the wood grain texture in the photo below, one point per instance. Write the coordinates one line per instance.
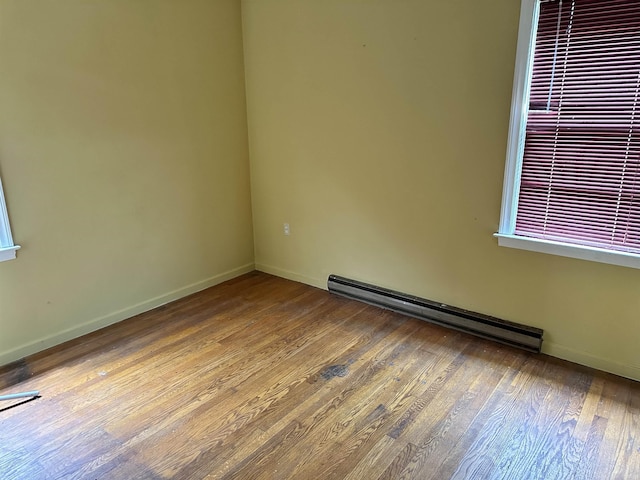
(264, 378)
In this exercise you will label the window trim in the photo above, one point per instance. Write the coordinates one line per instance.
(7, 247)
(527, 30)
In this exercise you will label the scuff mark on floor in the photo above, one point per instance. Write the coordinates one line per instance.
(334, 371)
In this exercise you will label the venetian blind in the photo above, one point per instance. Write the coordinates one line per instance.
(580, 179)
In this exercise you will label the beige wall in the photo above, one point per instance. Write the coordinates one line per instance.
(123, 152)
(378, 131)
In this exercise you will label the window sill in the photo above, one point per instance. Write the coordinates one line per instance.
(8, 253)
(567, 250)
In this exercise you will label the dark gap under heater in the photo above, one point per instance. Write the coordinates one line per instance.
(485, 326)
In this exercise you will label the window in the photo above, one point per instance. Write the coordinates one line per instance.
(572, 178)
(7, 248)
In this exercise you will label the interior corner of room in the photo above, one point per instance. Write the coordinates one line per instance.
(146, 162)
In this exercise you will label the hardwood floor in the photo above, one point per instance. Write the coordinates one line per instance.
(263, 378)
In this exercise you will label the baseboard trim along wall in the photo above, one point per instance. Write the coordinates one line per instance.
(549, 347)
(119, 315)
(296, 277)
(583, 358)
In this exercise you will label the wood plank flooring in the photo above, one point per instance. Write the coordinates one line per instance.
(263, 378)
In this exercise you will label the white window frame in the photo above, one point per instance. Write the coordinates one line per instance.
(7, 247)
(529, 13)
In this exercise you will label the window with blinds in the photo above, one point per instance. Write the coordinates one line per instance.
(7, 247)
(580, 177)
(578, 180)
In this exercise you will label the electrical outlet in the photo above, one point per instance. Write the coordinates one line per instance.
(287, 230)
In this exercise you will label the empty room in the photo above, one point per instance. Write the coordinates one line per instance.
(319, 239)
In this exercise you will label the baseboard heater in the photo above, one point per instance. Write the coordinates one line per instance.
(485, 326)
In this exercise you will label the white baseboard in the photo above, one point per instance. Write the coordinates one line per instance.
(583, 358)
(296, 277)
(119, 315)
